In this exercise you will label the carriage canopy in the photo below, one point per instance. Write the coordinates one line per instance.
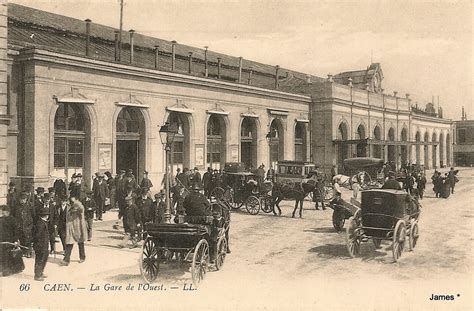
(370, 165)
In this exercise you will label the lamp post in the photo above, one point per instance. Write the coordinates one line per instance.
(167, 133)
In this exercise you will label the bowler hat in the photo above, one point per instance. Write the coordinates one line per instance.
(121, 171)
(78, 175)
(145, 172)
(39, 190)
(89, 192)
(51, 189)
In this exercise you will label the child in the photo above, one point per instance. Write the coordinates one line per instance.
(41, 243)
(89, 207)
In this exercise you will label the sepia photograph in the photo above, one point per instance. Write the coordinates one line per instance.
(236, 155)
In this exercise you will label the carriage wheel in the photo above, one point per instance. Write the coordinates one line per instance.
(252, 204)
(200, 263)
(338, 220)
(218, 194)
(399, 237)
(328, 193)
(414, 234)
(221, 252)
(353, 237)
(377, 243)
(267, 204)
(149, 261)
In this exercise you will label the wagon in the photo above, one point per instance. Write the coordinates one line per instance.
(241, 188)
(384, 215)
(366, 169)
(185, 243)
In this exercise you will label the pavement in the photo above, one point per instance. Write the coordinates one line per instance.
(277, 263)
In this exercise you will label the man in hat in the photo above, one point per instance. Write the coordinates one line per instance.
(145, 206)
(75, 230)
(391, 182)
(131, 219)
(11, 195)
(130, 184)
(23, 213)
(38, 201)
(120, 195)
(206, 181)
(146, 182)
(196, 177)
(10, 261)
(53, 218)
(159, 206)
(76, 187)
(40, 243)
(89, 209)
(63, 206)
(100, 194)
(196, 204)
(111, 185)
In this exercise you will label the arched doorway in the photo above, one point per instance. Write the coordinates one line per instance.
(130, 145)
(404, 147)
(426, 147)
(418, 148)
(300, 142)
(248, 142)
(378, 137)
(72, 149)
(362, 146)
(448, 150)
(442, 151)
(343, 148)
(277, 142)
(434, 148)
(392, 149)
(216, 142)
(180, 150)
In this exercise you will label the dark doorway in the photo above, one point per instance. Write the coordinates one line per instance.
(127, 155)
(246, 155)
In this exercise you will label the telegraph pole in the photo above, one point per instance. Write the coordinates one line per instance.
(120, 31)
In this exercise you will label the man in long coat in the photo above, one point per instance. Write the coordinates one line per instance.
(76, 230)
(101, 192)
(63, 206)
(40, 242)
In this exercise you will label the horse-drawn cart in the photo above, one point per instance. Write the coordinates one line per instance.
(185, 243)
(384, 215)
(342, 210)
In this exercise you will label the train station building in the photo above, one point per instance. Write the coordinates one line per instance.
(81, 97)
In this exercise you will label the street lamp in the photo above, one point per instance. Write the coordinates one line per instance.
(167, 133)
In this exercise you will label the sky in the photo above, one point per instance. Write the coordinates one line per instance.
(424, 47)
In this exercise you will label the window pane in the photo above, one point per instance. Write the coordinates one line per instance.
(178, 147)
(59, 145)
(59, 160)
(75, 146)
(75, 160)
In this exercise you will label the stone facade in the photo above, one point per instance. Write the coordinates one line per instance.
(4, 113)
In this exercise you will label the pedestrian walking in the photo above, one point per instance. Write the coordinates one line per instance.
(89, 208)
(101, 192)
(23, 214)
(63, 206)
(452, 179)
(111, 185)
(132, 219)
(421, 185)
(75, 230)
(146, 182)
(40, 243)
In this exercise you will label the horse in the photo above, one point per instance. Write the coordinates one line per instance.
(296, 192)
(362, 177)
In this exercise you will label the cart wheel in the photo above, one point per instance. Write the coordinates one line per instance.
(399, 237)
(328, 193)
(149, 261)
(377, 243)
(221, 252)
(353, 237)
(252, 204)
(200, 263)
(267, 203)
(338, 220)
(413, 238)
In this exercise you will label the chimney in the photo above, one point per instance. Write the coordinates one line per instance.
(330, 79)
(349, 82)
(173, 54)
(190, 66)
(249, 80)
(218, 68)
(116, 45)
(395, 93)
(277, 69)
(206, 70)
(131, 31)
(88, 36)
(156, 48)
(462, 114)
(240, 69)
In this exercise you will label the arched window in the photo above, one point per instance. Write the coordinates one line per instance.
(128, 121)
(181, 143)
(377, 148)
(248, 142)
(215, 141)
(361, 146)
(69, 137)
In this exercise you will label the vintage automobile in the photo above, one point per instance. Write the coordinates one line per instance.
(186, 243)
(385, 214)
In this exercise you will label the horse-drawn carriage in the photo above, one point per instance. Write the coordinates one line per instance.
(242, 188)
(190, 242)
(364, 171)
(384, 215)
